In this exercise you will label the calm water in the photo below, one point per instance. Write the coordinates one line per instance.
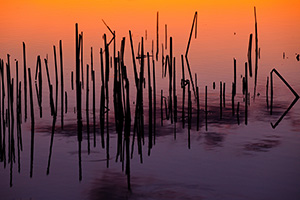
(229, 161)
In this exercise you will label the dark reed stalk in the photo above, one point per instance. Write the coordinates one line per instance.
(232, 98)
(267, 93)
(157, 37)
(170, 80)
(51, 142)
(72, 82)
(81, 59)
(166, 36)
(61, 84)
(183, 92)
(161, 108)
(133, 60)
(25, 81)
(102, 101)
(66, 102)
(221, 100)
(32, 124)
(234, 74)
(271, 100)
(154, 102)
(198, 102)
(150, 106)
(187, 49)
(78, 38)
(94, 105)
(162, 61)
(174, 90)
(257, 53)
(87, 108)
(56, 79)
(246, 95)
(1, 141)
(249, 55)
(94, 101)
(206, 108)
(224, 95)
(38, 77)
(49, 84)
(238, 113)
(3, 155)
(189, 115)
(106, 97)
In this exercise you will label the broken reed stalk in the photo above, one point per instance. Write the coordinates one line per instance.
(183, 92)
(61, 84)
(32, 124)
(25, 81)
(87, 108)
(187, 49)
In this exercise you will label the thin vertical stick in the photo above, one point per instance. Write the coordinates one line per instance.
(183, 92)
(56, 80)
(224, 94)
(206, 108)
(238, 113)
(267, 93)
(72, 82)
(246, 97)
(154, 101)
(32, 124)
(157, 38)
(61, 84)
(234, 72)
(221, 100)
(271, 101)
(166, 36)
(81, 60)
(249, 55)
(161, 108)
(25, 81)
(257, 53)
(87, 108)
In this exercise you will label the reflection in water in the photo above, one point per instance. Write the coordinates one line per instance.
(217, 117)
